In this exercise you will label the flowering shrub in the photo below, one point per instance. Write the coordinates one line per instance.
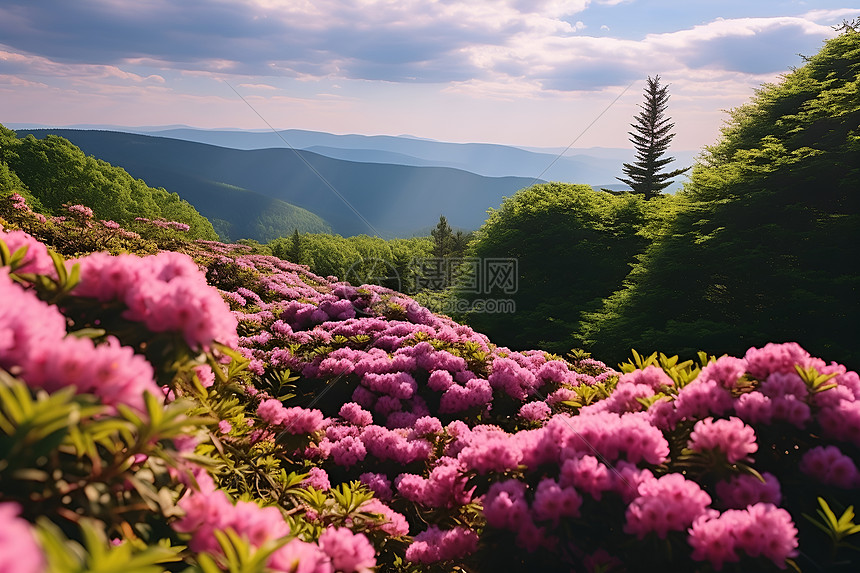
(217, 409)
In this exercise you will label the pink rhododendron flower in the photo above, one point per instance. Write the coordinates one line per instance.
(379, 484)
(762, 362)
(355, 414)
(669, 503)
(348, 451)
(725, 371)
(760, 530)
(830, 466)
(349, 552)
(552, 501)
(395, 523)
(490, 452)
(744, 490)
(511, 378)
(295, 420)
(588, 475)
(19, 550)
(842, 422)
(434, 545)
(298, 556)
(208, 510)
(652, 376)
(700, 399)
(732, 437)
(318, 479)
(166, 292)
(754, 408)
(36, 260)
(535, 411)
(504, 504)
(81, 211)
(444, 487)
(205, 374)
(34, 345)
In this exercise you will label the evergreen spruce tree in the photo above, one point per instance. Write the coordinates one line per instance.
(651, 139)
(295, 255)
(443, 238)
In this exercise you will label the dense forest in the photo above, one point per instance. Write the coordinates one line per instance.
(171, 403)
(57, 173)
(760, 246)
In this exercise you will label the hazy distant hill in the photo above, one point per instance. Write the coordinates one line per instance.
(595, 166)
(491, 160)
(395, 199)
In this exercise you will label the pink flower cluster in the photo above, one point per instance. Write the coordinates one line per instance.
(34, 346)
(744, 490)
(209, 510)
(165, 292)
(395, 524)
(828, 465)
(669, 503)
(293, 420)
(19, 550)
(513, 379)
(445, 486)
(759, 530)
(434, 545)
(409, 377)
(36, 260)
(174, 225)
(81, 211)
(734, 439)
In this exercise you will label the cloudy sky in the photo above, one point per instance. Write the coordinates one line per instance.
(524, 72)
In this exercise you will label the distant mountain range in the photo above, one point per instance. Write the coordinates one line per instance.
(352, 197)
(249, 181)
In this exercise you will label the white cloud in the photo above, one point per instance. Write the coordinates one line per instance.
(264, 87)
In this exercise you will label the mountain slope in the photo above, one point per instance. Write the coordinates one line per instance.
(393, 199)
(596, 167)
(59, 174)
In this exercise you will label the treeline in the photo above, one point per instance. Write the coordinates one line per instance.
(52, 172)
(760, 246)
(360, 259)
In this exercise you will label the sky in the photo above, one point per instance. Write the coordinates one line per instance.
(542, 73)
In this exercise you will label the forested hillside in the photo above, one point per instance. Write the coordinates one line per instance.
(57, 173)
(761, 246)
(353, 198)
(766, 249)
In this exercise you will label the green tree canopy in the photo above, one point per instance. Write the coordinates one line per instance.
(765, 247)
(572, 246)
(57, 172)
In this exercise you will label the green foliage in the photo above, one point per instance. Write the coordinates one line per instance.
(239, 213)
(359, 260)
(58, 173)
(97, 554)
(572, 247)
(836, 528)
(758, 248)
(446, 241)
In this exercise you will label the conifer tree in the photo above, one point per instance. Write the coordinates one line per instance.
(651, 138)
(295, 252)
(443, 237)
